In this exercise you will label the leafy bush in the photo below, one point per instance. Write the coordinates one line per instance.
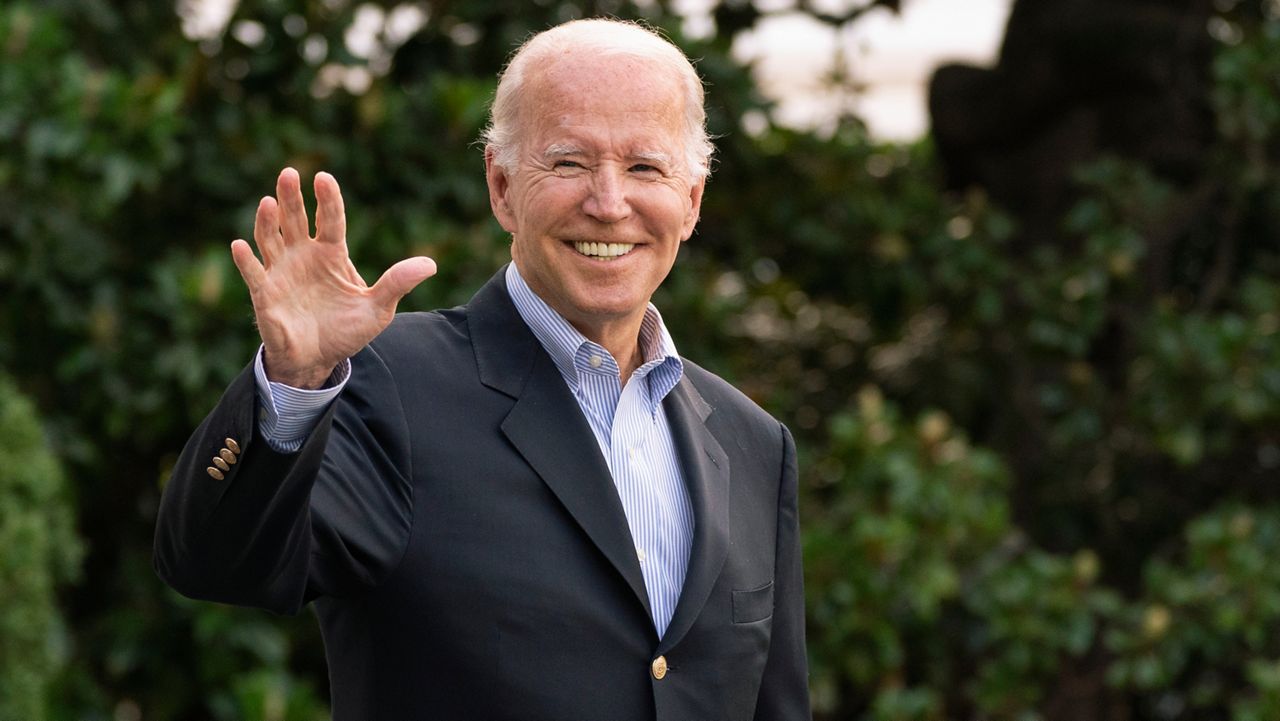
(41, 553)
(921, 584)
(1025, 457)
(1204, 635)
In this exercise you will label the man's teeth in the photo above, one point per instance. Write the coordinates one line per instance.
(604, 250)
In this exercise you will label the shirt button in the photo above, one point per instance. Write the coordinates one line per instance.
(595, 361)
(640, 554)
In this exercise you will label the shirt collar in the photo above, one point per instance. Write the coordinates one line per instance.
(661, 364)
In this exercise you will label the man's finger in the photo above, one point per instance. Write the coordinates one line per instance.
(331, 217)
(293, 212)
(266, 230)
(402, 278)
(250, 269)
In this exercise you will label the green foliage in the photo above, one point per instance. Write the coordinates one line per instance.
(1264, 702)
(40, 553)
(919, 576)
(1205, 633)
(245, 658)
(1035, 468)
(1224, 366)
(1246, 99)
(1039, 612)
(907, 512)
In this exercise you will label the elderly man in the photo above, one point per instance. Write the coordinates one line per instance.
(530, 507)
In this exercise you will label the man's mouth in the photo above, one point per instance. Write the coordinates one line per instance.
(604, 251)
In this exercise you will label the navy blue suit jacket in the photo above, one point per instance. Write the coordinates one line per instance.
(457, 528)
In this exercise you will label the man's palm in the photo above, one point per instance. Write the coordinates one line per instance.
(313, 309)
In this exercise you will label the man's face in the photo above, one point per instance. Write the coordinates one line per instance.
(602, 196)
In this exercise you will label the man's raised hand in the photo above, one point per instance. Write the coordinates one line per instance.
(313, 309)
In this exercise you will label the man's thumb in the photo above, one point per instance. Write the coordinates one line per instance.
(402, 278)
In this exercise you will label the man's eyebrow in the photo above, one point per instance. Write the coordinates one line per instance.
(556, 151)
(652, 156)
(560, 150)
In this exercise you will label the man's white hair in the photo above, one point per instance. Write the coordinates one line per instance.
(607, 37)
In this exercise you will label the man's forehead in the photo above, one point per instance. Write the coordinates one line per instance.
(587, 118)
(579, 78)
(596, 104)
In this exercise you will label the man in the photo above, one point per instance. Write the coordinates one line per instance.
(529, 507)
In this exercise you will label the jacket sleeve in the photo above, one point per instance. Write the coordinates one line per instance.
(275, 530)
(784, 691)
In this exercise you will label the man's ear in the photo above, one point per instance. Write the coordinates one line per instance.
(499, 186)
(695, 206)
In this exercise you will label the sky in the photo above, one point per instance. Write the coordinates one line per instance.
(890, 56)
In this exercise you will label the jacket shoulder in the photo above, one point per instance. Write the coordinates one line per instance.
(420, 337)
(730, 405)
(413, 327)
(717, 390)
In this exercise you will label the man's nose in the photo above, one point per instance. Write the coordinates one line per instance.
(607, 202)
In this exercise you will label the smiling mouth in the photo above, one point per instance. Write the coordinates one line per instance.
(604, 251)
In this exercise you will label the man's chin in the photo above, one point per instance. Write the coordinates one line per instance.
(597, 311)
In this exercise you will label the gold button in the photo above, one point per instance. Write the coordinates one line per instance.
(228, 456)
(659, 667)
(231, 443)
(221, 464)
(217, 474)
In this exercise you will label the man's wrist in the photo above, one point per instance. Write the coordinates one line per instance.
(309, 379)
(287, 414)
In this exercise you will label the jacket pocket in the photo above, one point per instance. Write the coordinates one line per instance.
(753, 605)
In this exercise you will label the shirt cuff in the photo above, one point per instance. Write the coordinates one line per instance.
(287, 415)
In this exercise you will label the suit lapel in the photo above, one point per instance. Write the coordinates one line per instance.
(706, 472)
(548, 429)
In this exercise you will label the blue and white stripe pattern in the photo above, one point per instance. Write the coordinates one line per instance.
(631, 429)
(629, 424)
(286, 415)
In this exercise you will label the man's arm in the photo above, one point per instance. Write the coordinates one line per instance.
(278, 528)
(784, 691)
(228, 535)
(239, 518)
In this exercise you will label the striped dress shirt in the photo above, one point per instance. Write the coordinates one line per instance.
(629, 424)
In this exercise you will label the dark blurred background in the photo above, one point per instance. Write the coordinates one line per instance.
(1032, 360)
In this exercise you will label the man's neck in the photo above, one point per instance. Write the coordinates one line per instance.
(621, 338)
(620, 335)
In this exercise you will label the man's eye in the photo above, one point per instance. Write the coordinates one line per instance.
(644, 168)
(567, 164)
